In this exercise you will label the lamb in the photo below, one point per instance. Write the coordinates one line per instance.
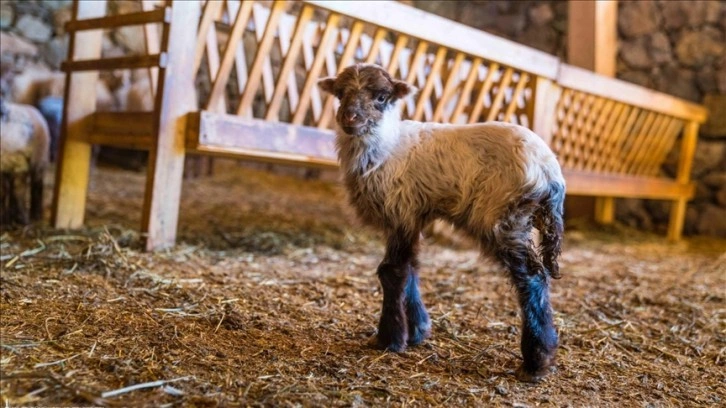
(24, 144)
(493, 181)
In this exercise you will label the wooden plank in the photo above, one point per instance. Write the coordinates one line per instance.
(288, 64)
(605, 210)
(126, 123)
(160, 15)
(483, 91)
(586, 81)
(175, 98)
(261, 18)
(222, 76)
(546, 95)
(449, 34)
(237, 134)
(435, 71)
(74, 157)
(345, 60)
(314, 71)
(593, 184)
(592, 35)
(130, 62)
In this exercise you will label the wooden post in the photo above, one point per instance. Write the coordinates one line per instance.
(685, 162)
(546, 95)
(74, 158)
(592, 43)
(175, 97)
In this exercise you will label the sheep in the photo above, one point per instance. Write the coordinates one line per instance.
(494, 181)
(24, 143)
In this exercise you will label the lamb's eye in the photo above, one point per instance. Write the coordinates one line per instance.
(381, 97)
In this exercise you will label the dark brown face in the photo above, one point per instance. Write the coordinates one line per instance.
(365, 92)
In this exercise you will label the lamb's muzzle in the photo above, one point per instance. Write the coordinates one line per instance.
(494, 181)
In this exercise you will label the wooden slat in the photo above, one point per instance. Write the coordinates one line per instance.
(222, 76)
(123, 123)
(483, 91)
(376, 46)
(465, 93)
(261, 17)
(314, 71)
(396, 54)
(620, 132)
(74, 157)
(262, 53)
(668, 142)
(644, 149)
(160, 15)
(435, 71)
(451, 35)
(449, 87)
(523, 79)
(239, 135)
(130, 62)
(592, 184)
(499, 98)
(635, 140)
(586, 81)
(212, 9)
(288, 64)
(345, 60)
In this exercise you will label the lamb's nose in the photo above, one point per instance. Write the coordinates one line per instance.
(350, 117)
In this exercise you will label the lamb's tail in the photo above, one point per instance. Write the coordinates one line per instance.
(549, 221)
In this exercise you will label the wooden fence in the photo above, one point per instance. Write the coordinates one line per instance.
(258, 63)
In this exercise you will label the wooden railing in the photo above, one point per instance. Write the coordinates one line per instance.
(257, 63)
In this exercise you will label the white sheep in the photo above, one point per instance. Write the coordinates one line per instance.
(494, 181)
(24, 144)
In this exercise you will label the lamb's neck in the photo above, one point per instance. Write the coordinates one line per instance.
(363, 155)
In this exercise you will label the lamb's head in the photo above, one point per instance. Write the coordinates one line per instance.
(367, 94)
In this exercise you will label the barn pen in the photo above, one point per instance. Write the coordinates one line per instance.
(258, 288)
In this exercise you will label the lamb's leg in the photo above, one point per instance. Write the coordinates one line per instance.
(17, 203)
(36, 195)
(419, 323)
(393, 273)
(539, 337)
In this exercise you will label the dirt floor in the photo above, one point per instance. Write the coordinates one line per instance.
(271, 294)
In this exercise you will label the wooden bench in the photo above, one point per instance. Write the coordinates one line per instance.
(261, 62)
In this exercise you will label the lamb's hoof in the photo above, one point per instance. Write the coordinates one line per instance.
(419, 334)
(374, 342)
(532, 377)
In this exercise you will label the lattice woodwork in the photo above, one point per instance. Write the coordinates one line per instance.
(310, 43)
(600, 135)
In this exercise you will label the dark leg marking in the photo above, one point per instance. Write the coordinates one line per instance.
(393, 273)
(539, 337)
(419, 323)
(36, 195)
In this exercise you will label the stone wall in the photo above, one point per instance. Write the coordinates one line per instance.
(676, 47)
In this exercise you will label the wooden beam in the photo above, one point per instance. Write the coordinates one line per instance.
(133, 130)
(443, 32)
(592, 36)
(593, 184)
(74, 159)
(685, 163)
(160, 15)
(213, 132)
(130, 62)
(176, 97)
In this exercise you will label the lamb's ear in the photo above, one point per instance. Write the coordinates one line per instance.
(326, 84)
(402, 89)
